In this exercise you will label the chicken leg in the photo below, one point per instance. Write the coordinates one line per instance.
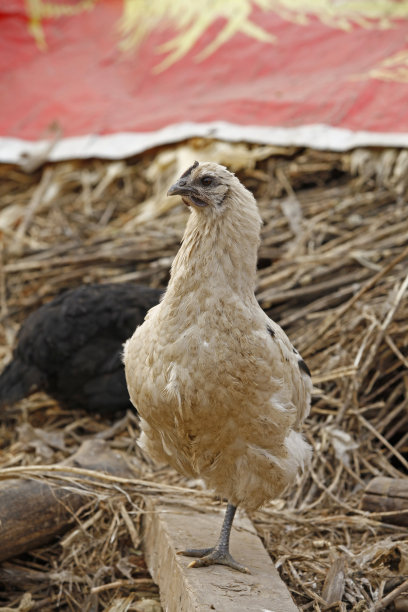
(220, 553)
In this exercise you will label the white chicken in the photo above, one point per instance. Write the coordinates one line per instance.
(221, 392)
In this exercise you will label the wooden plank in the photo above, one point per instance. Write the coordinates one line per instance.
(390, 487)
(171, 527)
(384, 494)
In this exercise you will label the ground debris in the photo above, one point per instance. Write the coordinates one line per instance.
(332, 271)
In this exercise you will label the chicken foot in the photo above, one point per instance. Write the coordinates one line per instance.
(219, 554)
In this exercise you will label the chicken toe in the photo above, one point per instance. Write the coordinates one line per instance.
(213, 556)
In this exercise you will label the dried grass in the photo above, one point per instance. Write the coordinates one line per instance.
(333, 272)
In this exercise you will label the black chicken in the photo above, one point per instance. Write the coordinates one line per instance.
(71, 347)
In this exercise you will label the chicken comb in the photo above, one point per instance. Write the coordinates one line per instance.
(189, 170)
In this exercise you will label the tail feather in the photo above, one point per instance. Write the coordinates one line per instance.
(17, 381)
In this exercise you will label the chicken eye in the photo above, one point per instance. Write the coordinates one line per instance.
(206, 180)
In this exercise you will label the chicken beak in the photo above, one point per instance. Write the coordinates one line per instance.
(179, 188)
(187, 193)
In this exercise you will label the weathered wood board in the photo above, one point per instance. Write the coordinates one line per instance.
(388, 495)
(170, 528)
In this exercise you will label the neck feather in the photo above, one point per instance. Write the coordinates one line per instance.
(219, 252)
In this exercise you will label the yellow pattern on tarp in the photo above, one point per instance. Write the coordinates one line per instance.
(341, 14)
(191, 19)
(37, 10)
(393, 68)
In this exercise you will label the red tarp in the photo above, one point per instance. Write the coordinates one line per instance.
(122, 75)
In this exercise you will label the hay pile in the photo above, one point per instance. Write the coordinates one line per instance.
(332, 271)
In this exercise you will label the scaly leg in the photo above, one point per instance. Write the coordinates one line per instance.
(220, 553)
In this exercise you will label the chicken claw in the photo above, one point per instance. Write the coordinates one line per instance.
(213, 556)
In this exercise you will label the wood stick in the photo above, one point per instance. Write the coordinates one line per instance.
(333, 587)
(385, 601)
(387, 495)
(32, 512)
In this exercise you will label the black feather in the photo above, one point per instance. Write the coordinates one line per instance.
(71, 347)
(271, 331)
(302, 365)
(189, 170)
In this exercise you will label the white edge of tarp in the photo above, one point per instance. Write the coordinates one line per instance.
(125, 144)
